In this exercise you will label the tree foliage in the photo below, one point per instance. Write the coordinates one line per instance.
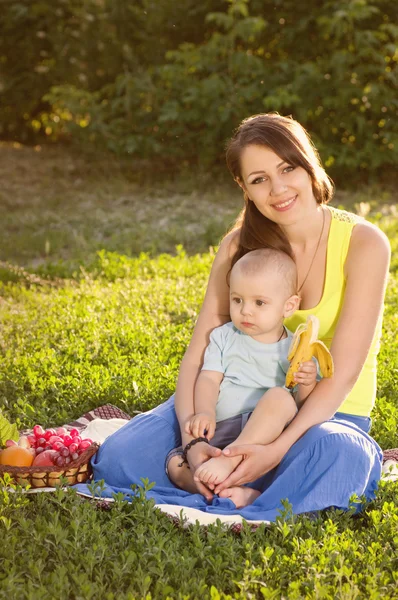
(172, 80)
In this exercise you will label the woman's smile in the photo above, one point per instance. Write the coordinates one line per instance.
(285, 205)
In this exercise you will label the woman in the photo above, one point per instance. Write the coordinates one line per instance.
(323, 456)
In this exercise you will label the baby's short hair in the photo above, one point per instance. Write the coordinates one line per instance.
(269, 259)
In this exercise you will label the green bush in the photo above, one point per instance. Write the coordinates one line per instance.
(93, 72)
(84, 45)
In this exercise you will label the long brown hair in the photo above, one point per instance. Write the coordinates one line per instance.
(291, 142)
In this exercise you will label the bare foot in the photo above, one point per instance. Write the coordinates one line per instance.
(240, 496)
(217, 469)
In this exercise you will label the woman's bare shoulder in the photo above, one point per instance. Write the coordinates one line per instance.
(230, 242)
(369, 245)
(365, 235)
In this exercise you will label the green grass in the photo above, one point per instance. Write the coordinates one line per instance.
(114, 330)
(61, 546)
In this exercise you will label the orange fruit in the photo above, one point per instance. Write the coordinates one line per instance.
(14, 456)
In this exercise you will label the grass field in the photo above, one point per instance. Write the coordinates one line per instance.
(86, 319)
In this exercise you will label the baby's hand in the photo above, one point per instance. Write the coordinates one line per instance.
(306, 375)
(202, 425)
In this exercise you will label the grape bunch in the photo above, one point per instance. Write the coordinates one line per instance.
(61, 446)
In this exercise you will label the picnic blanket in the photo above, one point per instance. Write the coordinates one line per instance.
(105, 420)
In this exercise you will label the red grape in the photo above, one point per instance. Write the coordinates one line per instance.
(74, 456)
(68, 460)
(57, 445)
(67, 440)
(39, 450)
(64, 451)
(84, 444)
(32, 439)
(41, 441)
(74, 432)
(61, 431)
(73, 448)
(38, 431)
(55, 438)
(60, 461)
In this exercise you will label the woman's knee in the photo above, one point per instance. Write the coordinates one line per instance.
(337, 440)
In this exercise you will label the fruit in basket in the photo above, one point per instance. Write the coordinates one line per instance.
(24, 442)
(45, 459)
(15, 456)
(11, 443)
(45, 447)
(38, 431)
(36, 459)
(84, 444)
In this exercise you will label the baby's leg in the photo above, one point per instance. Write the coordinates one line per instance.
(181, 475)
(274, 410)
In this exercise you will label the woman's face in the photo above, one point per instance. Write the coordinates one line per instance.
(281, 192)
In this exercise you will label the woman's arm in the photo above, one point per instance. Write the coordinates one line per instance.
(214, 312)
(366, 272)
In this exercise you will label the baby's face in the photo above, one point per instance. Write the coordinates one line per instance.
(257, 302)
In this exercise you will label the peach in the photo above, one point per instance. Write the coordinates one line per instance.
(15, 456)
(45, 459)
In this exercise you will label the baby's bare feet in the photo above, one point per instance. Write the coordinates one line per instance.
(216, 470)
(240, 496)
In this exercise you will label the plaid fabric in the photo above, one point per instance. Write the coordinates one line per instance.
(105, 412)
(391, 454)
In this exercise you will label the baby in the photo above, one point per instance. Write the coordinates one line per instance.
(239, 395)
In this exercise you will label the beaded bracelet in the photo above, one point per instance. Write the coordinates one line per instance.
(189, 446)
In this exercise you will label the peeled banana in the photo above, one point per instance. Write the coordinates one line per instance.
(304, 346)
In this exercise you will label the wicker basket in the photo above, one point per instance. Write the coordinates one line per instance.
(77, 471)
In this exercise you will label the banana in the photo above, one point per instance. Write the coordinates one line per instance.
(304, 346)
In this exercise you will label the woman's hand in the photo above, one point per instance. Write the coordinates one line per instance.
(257, 461)
(196, 456)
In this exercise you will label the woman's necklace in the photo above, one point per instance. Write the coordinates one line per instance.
(282, 334)
(316, 250)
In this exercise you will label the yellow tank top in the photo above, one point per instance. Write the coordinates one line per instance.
(361, 399)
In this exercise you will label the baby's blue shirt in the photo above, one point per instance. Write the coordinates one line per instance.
(250, 368)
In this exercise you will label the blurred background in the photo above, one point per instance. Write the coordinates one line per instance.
(116, 113)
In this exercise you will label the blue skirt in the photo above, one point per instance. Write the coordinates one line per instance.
(325, 468)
